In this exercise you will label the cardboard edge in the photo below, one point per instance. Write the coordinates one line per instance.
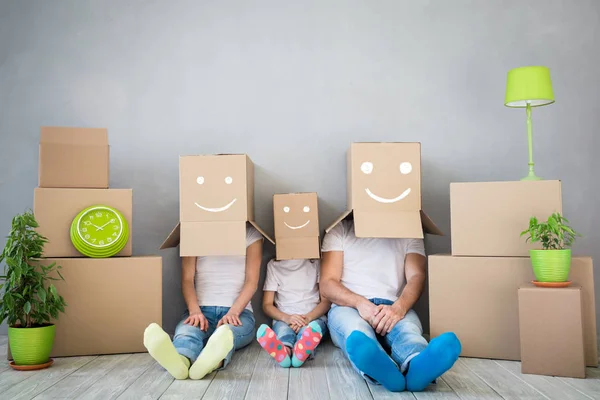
(429, 226)
(338, 220)
(262, 232)
(172, 239)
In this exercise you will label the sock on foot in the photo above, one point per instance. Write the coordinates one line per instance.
(438, 357)
(311, 337)
(370, 358)
(218, 346)
(161, 348)
(268, 340)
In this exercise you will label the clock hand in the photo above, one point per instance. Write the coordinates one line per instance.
(105, 225)
(98, 228)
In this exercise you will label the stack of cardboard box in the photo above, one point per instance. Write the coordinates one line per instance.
(110, 301)
(473, 292)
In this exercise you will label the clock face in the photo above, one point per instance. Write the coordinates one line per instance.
(100, 227)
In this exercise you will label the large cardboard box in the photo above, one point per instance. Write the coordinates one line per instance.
(296, 217)
(216, 199)
(54, 210)
(384, 191)
(551, 331)
(110, 301)
(73, 158)
(487, 218)
(476, 298)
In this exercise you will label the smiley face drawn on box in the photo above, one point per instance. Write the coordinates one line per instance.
(385, 176)
(216, 188)
(296, 215)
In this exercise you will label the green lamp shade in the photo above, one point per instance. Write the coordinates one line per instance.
(528, 85)
(99, 231)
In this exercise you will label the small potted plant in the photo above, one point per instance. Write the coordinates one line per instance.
(29, 300)
(553, 262)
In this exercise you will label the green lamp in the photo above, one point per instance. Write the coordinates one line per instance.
(528, 87)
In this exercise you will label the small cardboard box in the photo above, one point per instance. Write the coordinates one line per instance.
(487, 218)
(296, 217)
(384, 191)
(551, 331)
(54, 210)
(476, 298)
(216, 199)
(110, 301)
(73, 158)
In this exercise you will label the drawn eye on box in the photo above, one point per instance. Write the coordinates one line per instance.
(405, 168)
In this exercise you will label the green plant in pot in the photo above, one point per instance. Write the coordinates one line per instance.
(553, 262)
(29, 299)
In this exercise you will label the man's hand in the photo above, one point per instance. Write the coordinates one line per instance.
(197, 319)
(296, 322)
(231, 318)
(387, 318)
(368, 311)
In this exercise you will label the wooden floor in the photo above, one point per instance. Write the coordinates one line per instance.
(254, 375)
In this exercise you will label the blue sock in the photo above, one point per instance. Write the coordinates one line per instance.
(438, 357)
(370, 358)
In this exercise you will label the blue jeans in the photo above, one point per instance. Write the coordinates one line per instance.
(288, 337)
(403, 343)
(190, 340)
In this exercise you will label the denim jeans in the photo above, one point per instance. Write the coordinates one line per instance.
(288, 337)
(403, 343)
(190, 340)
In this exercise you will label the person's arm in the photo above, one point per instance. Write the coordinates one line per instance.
(188, 273)
(332, 289)
(273, 312)
(320, 310)
(253, 260)
(414, 269)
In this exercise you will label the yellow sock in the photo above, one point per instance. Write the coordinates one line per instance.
(217, 348)
(161, 348)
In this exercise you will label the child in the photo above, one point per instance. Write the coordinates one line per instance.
(291, 298)
(219, 320)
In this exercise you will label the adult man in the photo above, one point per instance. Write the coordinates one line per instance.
(373, 284)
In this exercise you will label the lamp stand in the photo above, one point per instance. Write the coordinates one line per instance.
(531, 176)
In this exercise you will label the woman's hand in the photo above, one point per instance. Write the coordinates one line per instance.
(197, 319)
(231, 318)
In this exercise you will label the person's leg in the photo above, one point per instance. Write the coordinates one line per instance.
(277, 342)
(307, 340)
(405, 340)
(357, 340)
(218, 345)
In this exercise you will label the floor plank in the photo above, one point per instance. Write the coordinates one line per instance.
(380, 393)
(233, 382)
(503, 382)
(117, 380)
(344, 382)
(188, 389)
(79, 381)
(269, 380)
(309, 381)
(150, 385)
(589, 386)
(467, 385)
(38, 381)
(551, 387)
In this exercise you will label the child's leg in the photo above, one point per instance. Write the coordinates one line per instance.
(309, 338)
(277, 342)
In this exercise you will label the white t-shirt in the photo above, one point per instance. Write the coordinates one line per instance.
(219, 279)
(296, 283)
(373, 267)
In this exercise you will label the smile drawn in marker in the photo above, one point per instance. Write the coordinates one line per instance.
(215, 210)
(297, 227)
(388, 201)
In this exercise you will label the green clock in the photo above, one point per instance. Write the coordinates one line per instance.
(99, 231)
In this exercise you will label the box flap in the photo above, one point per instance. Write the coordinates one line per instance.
(402, 224)
(429, 226)
(338, 220)
(297, 248)
(74, 136)
(173, 239)
(258, 228)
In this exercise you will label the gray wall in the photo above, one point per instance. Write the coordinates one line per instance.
(292, 84)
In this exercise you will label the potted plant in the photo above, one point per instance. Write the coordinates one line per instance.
(29, 300)
(553, 262)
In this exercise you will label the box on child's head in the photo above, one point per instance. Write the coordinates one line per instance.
(296, 217)
(384, 191)
(216, 201)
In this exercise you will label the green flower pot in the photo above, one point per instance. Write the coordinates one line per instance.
(551, 265)
(31, 346)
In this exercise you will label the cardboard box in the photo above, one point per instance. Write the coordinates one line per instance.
(54, 210)
(216, 199)
(551, 331)
(384, 191)
(296, 217)
(487, 218)
(476, 298)
(73, 158)
(110, 301)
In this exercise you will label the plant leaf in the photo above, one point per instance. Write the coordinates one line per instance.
(27, 307)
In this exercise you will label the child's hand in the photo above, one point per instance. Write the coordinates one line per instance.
(230, 318)
(197, 319)
(296, 319)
